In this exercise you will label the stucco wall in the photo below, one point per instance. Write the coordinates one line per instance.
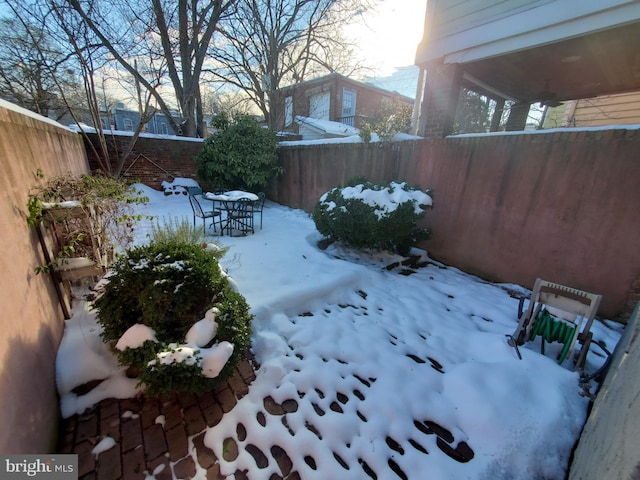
(31, 322)
(509, 208)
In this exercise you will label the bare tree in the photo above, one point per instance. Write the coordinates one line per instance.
(266, 44)
(232, 101)
(178, 31)
(76, 54)
(31, 67)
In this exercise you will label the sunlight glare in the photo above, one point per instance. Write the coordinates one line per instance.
(388, 36)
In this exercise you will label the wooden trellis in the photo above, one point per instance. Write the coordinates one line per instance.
(72, 248)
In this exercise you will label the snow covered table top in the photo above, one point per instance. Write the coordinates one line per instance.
(231, 195)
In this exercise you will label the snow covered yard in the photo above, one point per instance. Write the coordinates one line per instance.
(365, 371)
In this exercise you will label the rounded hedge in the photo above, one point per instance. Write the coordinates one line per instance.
(367, 215)
(241, 154)
(168, 287)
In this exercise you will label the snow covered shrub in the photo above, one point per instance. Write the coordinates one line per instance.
(169, 311)
(366, 215)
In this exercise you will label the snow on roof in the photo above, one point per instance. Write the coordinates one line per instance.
(328, 126)
(404, 80)
(400, 137)
(366, 84)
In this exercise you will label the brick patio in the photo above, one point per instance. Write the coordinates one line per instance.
(142, 442)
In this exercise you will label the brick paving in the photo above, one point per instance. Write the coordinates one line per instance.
(143, 444)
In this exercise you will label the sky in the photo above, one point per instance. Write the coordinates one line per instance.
(389, 35)
(383, 363)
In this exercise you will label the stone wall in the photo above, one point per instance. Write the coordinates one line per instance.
(32, 323)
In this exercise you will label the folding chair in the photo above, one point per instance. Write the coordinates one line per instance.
(557, 313)
(258, 206)
(204, 214)
(239, 216)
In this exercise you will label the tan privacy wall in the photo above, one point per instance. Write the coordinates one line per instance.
(510, 208)
(31, 321)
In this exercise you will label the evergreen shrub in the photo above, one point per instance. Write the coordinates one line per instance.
(365, 215)
(241, 154)
(168, 287)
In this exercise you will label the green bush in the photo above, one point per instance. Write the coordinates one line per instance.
(389, 119)
(366, 215)
(240, 155)
(168, 287)
(166, 378)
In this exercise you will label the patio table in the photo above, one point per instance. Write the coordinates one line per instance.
(236, 204)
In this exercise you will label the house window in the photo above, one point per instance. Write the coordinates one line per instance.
(288, 111)
(348, 106)
(162, 128)
(128, 124)
(319, 106)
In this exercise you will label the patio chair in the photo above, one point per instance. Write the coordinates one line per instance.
(239, 216)
(258, 206)
(557, 313)
(198, 211)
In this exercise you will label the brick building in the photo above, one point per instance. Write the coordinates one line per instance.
(333, 97)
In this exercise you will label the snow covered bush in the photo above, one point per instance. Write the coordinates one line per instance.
(171, 315)
(366, 215)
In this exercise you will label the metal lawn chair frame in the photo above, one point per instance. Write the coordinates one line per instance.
(574, 307)
(239, 216)
(204, 214)
(258, 206)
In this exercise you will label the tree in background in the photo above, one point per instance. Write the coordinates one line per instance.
(171, 35)
(473, 114)
(32, 67)
(267, 44)
(233, 102)
(389, 119)
(70, 48)
(241, 154)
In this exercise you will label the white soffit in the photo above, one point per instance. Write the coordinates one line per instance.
(549, 23)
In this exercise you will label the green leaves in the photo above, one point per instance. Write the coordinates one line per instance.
(240, 155)
(169, 286)
(341, 215)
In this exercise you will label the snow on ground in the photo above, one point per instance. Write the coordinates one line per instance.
(381, 367)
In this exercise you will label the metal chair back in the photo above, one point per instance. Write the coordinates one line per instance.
(203, 214)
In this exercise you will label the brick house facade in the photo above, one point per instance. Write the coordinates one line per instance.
(333, 97)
